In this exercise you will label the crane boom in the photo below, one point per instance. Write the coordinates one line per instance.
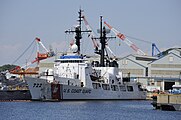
(124, 39)
(42, 56)
(40, 43)
(92, 36)
(110, 50)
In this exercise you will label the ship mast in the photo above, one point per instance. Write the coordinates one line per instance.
(103, 38)
(103, 43)
(78, 32)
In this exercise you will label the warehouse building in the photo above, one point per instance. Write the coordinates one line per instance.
(154, 72)
(166, 71)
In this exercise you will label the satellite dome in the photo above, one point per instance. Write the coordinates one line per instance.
(74, 48)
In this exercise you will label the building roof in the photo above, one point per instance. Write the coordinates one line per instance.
(170, 49)
(165, 56)
(136, 63)
(141, 57)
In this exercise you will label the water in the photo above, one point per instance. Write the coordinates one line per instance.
(84, 110)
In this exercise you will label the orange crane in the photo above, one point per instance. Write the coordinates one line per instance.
(91, 34)
(20, 71)
(124, 39)
(40, 56)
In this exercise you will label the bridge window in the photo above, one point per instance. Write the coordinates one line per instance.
(106, 86)
(114, 88)
(71, 61)
(130, 88)
(122, 88)
(96, 85)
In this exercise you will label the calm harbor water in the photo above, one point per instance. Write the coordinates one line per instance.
(84, 110)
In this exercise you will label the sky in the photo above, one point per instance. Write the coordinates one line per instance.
(21, 21)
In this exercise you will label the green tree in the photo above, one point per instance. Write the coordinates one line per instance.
(7, 67)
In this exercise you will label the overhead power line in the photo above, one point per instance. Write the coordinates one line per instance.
(23, 52)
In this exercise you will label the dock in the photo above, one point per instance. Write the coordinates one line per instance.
(170, 102)
(12, 95)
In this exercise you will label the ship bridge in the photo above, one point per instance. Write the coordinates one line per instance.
(71, 59)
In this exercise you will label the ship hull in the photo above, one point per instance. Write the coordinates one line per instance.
(79, 93)
(41, 90)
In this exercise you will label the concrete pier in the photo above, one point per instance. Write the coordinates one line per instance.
(169, 102)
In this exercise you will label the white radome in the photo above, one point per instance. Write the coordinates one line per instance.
(74, 48)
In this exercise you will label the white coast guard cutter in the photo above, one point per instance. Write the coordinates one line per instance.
(74, 78)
